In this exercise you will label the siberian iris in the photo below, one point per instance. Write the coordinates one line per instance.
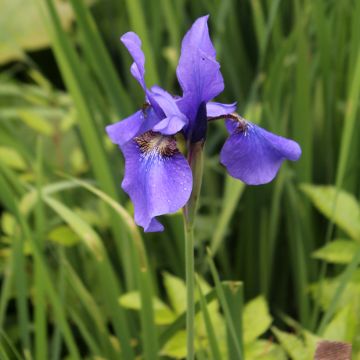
(158, 177)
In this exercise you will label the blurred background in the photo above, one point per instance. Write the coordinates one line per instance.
(79, 281)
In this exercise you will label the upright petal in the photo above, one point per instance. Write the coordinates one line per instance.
(198, 71)
(134, 125)
(133, 44)
(255, 155)
(157, 178)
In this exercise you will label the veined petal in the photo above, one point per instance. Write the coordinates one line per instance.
(255, 155)
(134, 125)
(198, 71)
(157, 178)
(214, 109)
(133, 43)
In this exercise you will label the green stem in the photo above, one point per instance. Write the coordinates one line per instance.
(190, 312)
(195, 159)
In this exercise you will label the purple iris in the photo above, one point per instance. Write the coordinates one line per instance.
(158, 177)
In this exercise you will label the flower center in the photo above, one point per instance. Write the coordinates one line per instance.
(155, 143)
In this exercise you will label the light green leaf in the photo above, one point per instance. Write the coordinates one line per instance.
(176, 346)
(22, 27)
(256, 319)
(176, 291)
(78, 162)
(12, 158)
(64, 235)
(293, 345)
(264, 350)
(37, 122)
(86, 233)
(338, 251)
(346, 213)
(163, 314)
(343, 325)
(329, 287)
(8, 223)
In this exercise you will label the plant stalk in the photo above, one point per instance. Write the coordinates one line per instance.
(195, 159)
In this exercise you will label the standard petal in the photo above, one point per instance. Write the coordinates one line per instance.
(158, 180)
(134, 125)
(214, 109)
(255, 155)
(198, 71)
(133, 44)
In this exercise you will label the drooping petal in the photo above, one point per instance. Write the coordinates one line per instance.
(255, 155)
(198, 71)
(214, 109)
(174, 119)
(134, 125)
(133, 43)
(157, 178)
(170, 125)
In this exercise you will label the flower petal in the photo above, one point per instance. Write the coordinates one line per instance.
(255, 155)
(133, 43)
(175, 120)
(134, 125)
(156, 183)
(214, 109)
(198, 71)
(170, 125)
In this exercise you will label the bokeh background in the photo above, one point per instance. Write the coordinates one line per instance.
(79, 281)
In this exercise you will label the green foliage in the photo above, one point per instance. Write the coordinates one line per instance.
(256, 319)
(338, 251)
(339, 206)
(79, 280)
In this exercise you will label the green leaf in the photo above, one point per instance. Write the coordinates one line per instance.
(176, 291)
(264, 350)
(343, 326)
(293, 345)
(328, 289)
(85, 232)
(8, 223)
(338, 251)
(256, 319)
(346, 213)
(12, 158)
(176, 346)
(63, 235)
(37, 122)
(22, 27)
(163, 314)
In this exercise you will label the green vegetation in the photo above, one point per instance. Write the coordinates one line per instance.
(278, 266)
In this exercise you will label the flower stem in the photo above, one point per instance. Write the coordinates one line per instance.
(190, 310)
(195, 159)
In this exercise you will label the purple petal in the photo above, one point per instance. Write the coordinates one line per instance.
(255, 155)
(214, 109)
(175, 120)
(231, 125)
(170, 125)
(134, 125)
(198, 71)
(133, 44)
(156, 183)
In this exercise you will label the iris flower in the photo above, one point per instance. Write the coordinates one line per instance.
(158, 177)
